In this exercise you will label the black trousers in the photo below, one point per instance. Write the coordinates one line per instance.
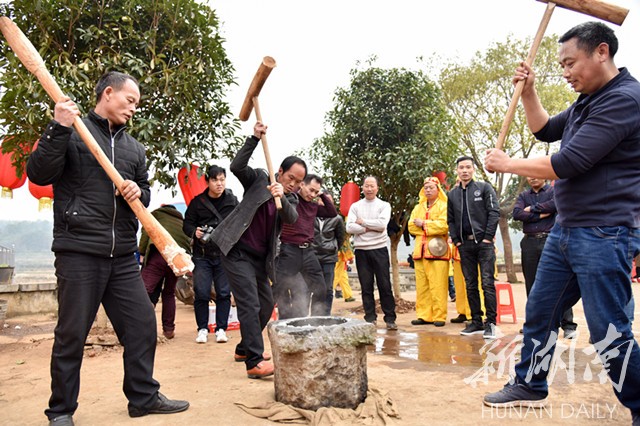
(84, 282)
(254, 301)
(373, 265)
(531, 250)
(473, 255)
(299, 283)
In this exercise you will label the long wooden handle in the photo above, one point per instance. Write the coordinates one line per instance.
(265, 147)
(504, 131)
(596, 8)
(265, 68)
(175, 256)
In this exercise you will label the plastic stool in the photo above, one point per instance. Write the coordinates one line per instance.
(504, 308)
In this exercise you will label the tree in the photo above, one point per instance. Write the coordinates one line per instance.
(172, 47)
(477, 96)
(390, 123)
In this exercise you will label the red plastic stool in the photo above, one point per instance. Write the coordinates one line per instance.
(504, 308)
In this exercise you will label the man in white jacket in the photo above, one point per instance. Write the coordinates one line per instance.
(367, 222)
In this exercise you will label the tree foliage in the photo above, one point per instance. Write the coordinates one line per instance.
(390, 123)
(171, 46)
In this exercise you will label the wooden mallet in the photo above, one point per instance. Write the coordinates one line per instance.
(595, 8)
(251, 103)
(176, 257)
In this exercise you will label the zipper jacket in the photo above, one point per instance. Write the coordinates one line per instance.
(88, 218)
(483, 210)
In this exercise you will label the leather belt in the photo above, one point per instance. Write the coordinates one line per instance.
(538, 235)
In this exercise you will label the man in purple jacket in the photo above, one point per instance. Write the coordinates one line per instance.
(589, 251)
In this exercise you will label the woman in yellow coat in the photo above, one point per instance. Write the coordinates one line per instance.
(431, 255)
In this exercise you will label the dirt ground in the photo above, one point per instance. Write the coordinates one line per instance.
(432, 374)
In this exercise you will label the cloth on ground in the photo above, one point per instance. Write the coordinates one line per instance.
(377, 409)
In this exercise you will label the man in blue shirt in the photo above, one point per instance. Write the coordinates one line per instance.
(589, 251)
(536, 209)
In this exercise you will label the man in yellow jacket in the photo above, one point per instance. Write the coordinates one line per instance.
(428, 222)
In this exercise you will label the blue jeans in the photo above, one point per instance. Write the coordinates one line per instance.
(595, 264)
(207, 270)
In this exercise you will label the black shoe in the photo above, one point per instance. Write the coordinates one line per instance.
(489, 331)
(420, 321)
(161, 406)
(64, 420)
(471, 329)
(459, 319)
(392, 326)
(439, 323)
(570, 333)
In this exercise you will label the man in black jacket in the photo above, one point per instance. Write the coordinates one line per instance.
(205, 212)
(472, 214)
(94, 240)
(248, 239)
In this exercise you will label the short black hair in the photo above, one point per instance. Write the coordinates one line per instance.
(215, 171)
(310, 177)
(114, 79)
(465, 158)
(589, 35)
(288, 162)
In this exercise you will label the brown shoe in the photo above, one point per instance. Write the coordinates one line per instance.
(243, 358)
(169, 334)
(263, 369)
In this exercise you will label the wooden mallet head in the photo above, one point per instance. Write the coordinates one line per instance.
(596, 8)
(268, 63)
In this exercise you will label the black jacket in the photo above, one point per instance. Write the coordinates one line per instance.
(88, 218)
(254, 182)
(202, 212)
(484, 212)
(327, 242)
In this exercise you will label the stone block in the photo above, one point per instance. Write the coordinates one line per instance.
(321, 361)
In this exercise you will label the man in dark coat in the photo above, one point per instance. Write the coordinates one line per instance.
(94, 240)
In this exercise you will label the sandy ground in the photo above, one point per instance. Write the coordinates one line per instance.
(434, 375)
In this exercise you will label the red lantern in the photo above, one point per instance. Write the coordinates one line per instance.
(350, 194)
(44, 194)
(190, 184)
(442, 177)
(9, 179)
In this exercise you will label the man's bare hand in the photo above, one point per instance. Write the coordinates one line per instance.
(66, 111)
(276, 189)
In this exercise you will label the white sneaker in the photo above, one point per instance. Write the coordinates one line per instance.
(202, 335)
(221, 336)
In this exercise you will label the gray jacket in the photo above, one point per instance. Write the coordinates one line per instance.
(255, 182)
(327, 242)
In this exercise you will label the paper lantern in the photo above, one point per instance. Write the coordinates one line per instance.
(44, 194)
(9, 179)
(442, 177)
(190, 184)
(350, 194)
